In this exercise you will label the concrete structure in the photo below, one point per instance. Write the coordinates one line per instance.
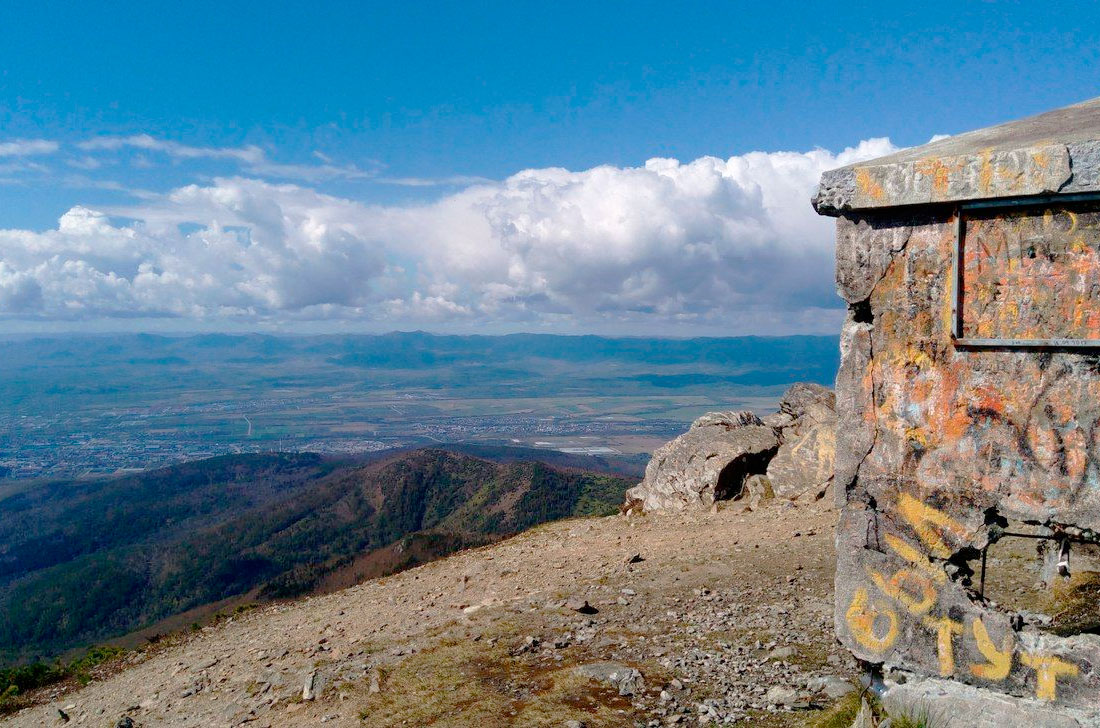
(968, 406)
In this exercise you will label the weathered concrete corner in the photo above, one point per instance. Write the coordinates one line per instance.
(956, 423)
(1049, 153)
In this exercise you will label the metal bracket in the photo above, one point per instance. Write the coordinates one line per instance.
(963, 342)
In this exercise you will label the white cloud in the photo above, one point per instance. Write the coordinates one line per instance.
(457, 180)
(252, 158)
(249, 154)
(27, 147)
(719, 245)
(310, 172)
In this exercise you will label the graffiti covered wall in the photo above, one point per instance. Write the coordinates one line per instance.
(938, 443)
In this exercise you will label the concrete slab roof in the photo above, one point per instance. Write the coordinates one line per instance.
(1056, 152)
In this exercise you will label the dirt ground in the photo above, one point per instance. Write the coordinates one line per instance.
(726, 617)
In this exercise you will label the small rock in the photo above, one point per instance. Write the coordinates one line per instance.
(581, 605)
(865, 719)
(125, 722)
(529, 644)
(634, 559)
(781, 695)
(628, 680)
(831, 686)
(307, 689)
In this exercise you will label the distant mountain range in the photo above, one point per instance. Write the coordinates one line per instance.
(84, 561)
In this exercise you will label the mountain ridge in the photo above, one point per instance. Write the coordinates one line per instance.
(87, 561)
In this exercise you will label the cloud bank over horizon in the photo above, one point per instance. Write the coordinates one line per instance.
(707, 246)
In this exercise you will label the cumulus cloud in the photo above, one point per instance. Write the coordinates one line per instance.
(724, 245)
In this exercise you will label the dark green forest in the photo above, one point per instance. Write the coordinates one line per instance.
(86, 561)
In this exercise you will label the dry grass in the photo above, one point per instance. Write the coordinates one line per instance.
(1075, 604)
(460, 682)
(840, 715)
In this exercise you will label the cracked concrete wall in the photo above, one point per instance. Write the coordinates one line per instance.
(936, 443)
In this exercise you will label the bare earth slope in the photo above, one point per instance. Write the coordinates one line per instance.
(725, 617)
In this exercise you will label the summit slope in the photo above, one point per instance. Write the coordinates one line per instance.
(723, 615)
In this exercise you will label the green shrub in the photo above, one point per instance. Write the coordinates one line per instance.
(18, 680)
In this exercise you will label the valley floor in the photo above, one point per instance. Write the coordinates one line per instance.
(727, 617)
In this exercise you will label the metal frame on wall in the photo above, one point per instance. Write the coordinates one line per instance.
(957, 275)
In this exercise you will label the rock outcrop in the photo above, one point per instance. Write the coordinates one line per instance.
(709, 462)
(727, 455)
(806, 425)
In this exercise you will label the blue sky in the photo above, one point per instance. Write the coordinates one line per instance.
(382, 151)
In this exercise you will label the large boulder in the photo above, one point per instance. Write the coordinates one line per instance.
(709, 462)
(788, 454)
(806, 426)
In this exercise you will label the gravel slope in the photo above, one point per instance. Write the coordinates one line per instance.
(727, 618)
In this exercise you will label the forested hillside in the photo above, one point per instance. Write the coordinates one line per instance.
(81, 562)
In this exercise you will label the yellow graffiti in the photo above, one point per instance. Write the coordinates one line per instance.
(1047, 669)
(915, 557)
(945, 629)
(862, 622)
(875, 624)
(999, 660)
(922, 518)
(894, 587)
(913, 356)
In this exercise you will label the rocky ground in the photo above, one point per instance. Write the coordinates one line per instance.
(663, 619)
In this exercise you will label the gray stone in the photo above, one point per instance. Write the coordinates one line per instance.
(831, 686)
(788, 454)
(780, 695)
(803, 465)
(627, 680)
(865, 718)
(949, 704)
(688, 471)
(782, 653)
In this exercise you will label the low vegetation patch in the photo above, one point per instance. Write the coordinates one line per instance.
(841, 714)
(1075, 604)
(19, 681)
(465, 682)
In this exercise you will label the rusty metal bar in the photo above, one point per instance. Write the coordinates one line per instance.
(971, 343)
(1034, 201)
(981, 586)
(957, 276)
